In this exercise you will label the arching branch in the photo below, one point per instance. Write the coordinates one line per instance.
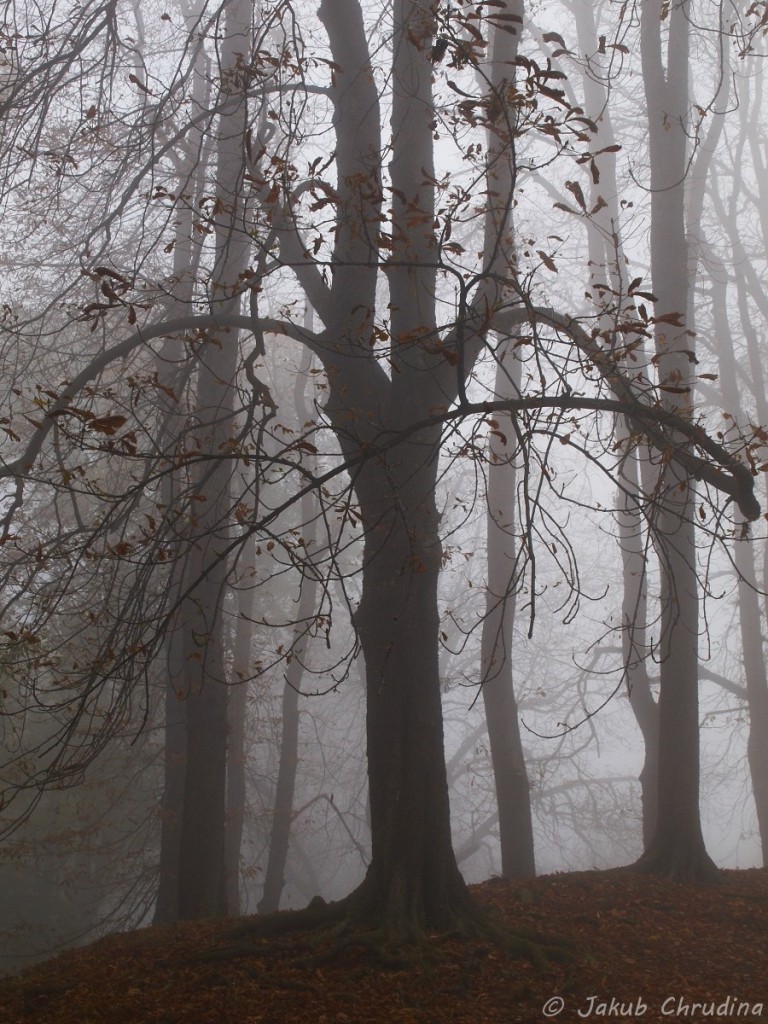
(657, 425)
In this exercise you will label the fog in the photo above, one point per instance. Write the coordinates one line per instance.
(383, 450)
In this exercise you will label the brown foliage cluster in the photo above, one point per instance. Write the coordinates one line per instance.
(656, 947)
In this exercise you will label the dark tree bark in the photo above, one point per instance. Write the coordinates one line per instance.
(413, 883)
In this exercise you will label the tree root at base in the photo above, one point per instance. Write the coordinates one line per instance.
(677, 867)
(327, 932)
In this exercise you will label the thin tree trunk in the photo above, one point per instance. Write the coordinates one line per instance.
(609, 267)
(274, 878)
(677, 847)
(174, 760)
(513, 797)
(173, 374)
(635, 651)
(202, 871)
(751, 622)
(237, 701)
(510, 776)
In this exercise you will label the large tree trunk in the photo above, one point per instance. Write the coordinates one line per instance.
(677, 847)
(413, 883)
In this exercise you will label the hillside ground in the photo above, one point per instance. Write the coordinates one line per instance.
(641, 949)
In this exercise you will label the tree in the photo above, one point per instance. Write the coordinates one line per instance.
(285, 783)
(737, 388)
(497, 683)
(411, 322)
(677, 845)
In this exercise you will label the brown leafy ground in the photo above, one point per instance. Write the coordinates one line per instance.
(660, 946)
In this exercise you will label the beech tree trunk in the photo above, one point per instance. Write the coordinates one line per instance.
(513, 796)
(635, 650)
(202, 864)
(413, 882)
(173, 373)
(510, 777)
(751, 625)
(677, 847)
(753, 612)
(609, 267)
(274, 877)
(237, 700)
(751, 619)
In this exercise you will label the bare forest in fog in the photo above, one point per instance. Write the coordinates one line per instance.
(382, 456)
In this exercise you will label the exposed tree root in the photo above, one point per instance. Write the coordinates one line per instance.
(394, 941)
(678, 865)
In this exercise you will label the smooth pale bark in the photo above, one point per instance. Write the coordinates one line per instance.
(609, 278)
(237, 701)
(274, 876)
(635, 650)
(173, 373)
(751, 621)
(677, 846)
(754, 617)
(513, 797)
(282, 812)
(202, 871)
(751, 624)
(510, 777)
(734, 377)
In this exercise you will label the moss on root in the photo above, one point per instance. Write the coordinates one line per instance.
(679, 866)
(392, 939)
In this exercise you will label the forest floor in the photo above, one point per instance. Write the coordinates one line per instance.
(643, 949)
